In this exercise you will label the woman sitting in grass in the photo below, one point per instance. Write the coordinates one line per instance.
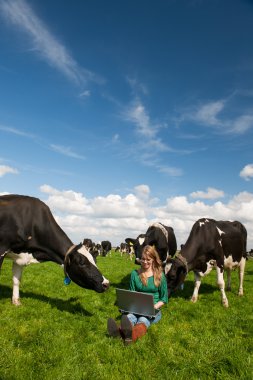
(148, 279)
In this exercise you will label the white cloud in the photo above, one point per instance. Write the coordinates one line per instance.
(247, 172)
(114, 217)
(211, 193)
(142, 191)
(20, 14)
(7, 169)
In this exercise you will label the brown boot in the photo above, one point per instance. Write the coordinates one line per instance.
(113, 329)
(139, 330)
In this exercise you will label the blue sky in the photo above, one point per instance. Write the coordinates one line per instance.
(121, 113)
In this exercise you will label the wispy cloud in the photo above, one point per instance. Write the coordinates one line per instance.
(136, 86)
(85, 94)
(66, 151)
(213, 114)
(150, 144)
(20, 14)
(16, 132)
(7, 169)
(171, 171)
(242, 124)
(137, 114)
(207, 114)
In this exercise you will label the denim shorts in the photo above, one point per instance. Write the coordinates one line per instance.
(134, 318)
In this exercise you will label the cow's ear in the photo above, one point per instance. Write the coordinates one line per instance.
(130, 241)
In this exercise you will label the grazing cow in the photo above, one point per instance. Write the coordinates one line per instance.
(162, 237)
(211, 243)
(30, 234)
(106, 247)
(127, 249)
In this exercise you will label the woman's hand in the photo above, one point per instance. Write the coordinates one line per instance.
(158, 305)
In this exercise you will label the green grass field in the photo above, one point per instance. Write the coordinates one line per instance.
(60, 333)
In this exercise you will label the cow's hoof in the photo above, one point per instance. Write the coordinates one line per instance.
(225, 303)
(194, 299)
(240, 293)
(16, 302)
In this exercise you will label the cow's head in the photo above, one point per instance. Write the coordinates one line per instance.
(80, 267)
(175, 272)
(138, 245)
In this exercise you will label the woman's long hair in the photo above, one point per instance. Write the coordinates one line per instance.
(150, 252)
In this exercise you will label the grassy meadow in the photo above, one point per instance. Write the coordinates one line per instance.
(59, 332)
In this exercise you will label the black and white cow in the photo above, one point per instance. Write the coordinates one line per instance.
(30, 234)
(88, 244)
(127, 249)
(106, 247)
(159, 235)
(211, 244)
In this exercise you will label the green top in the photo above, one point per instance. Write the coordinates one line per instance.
(159, 293)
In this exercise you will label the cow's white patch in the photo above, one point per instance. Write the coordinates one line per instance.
(167, 268)
(141, 240)
(210, 265)
(87, 254)
(203, 223)
(23, 258)
(230, 264)
(220, 231)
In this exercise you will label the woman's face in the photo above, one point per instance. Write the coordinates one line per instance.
(146, 262)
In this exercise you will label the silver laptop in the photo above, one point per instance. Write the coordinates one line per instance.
(139, 303)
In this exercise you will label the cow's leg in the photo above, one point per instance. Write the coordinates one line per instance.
(228, 286)
(241, 275)
(16, 278)
(221, 285)
(2, 256)
(197, 284)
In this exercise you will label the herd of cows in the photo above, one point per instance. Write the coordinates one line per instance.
(30, 234)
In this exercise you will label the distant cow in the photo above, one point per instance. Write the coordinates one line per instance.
(211, 244)
(95, 250)
(106, 247)
(30, 234)
(250, 253)
(127, 249)
(159, 235)
(88, 244)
